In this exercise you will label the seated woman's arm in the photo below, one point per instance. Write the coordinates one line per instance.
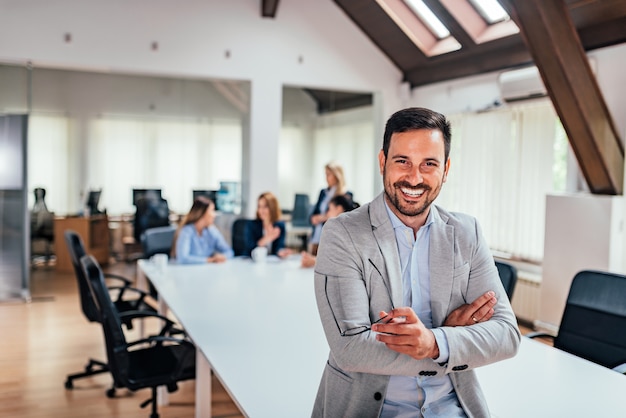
(183, 248)
(221, 246)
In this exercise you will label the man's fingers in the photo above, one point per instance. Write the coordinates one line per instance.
(482, 300)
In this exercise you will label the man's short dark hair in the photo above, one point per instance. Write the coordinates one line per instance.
(414, 118)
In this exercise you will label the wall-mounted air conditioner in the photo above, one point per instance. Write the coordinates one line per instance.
(526, 83)
(521, 84)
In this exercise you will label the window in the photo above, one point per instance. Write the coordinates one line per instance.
(503, 163)
(429, 18)
(490, 10)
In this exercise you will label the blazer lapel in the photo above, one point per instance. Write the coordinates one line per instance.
(441, 261)
(386, 239)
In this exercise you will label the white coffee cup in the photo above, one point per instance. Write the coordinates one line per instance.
(259, 254)
(160, 261)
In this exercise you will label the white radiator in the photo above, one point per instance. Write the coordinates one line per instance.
(526, 297)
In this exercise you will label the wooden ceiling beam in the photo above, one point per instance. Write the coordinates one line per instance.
(269, 8)
(553, 42)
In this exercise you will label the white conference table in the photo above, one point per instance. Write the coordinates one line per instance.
(542, 381)
(257, 327)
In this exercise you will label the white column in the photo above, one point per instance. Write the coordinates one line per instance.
(260, 142)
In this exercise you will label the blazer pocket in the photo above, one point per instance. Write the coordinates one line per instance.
(337, 373)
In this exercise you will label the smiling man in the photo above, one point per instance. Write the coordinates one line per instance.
(393, 280)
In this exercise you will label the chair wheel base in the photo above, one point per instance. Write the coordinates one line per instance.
(69, 384)
(110, 393)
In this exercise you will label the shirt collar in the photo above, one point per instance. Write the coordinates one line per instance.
(397, 223)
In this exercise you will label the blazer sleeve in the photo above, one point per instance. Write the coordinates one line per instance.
(252, 234)
(279, 243)
(490, 341)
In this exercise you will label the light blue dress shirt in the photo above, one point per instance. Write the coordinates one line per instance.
(419, 396)
(192, 248)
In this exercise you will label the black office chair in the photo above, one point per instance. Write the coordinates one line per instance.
(240, 236)
(76, 249)
(151, 362)
(300, 216)
(508, 276)
(594, 321)
(157, 240)
(151, 212)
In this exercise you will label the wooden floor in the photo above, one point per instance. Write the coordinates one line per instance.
(43, 341)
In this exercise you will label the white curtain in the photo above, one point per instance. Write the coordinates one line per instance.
(175, 156)
(350, 143)
(49, 157)
(502, 165)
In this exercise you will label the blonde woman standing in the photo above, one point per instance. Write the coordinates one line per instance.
(336, 187)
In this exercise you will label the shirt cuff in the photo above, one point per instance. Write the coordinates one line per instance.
(442, 343)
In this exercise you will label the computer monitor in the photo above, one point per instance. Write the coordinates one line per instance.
(211, 194)
(149, 193)
(93, 200)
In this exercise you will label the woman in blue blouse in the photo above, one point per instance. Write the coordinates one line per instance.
(267, 230)
(197, 239)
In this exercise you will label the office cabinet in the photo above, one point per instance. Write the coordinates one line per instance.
(94, 231)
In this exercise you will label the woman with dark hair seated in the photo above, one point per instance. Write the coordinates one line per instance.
(198, 240)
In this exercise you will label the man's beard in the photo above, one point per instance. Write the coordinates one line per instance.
(392, 191)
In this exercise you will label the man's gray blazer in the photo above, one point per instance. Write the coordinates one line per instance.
(358, 274)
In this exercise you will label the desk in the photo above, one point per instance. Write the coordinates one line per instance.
(258, 328)
(255, 325)
(542, 381)
(93, 230)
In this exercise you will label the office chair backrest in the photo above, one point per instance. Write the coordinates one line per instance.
(157, 240)
(151, 212)
(301, 211)
(240, 236)
(594, 321)
(508, 276)
(117, 352)
(76, 249)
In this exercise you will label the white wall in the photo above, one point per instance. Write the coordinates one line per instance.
(308, 44)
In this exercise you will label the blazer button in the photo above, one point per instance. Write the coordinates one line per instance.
(378, 396)
(459, 368)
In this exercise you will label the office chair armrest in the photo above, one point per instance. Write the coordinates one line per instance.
(127, 282)
(123, 289)
(167, 330)
(539, 335)
(129, 315)
(160, 339)
(620, 369)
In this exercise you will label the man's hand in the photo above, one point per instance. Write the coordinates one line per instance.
(480, 310)
(406, 334)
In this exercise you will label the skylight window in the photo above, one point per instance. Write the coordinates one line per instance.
(490, 10)
(429, 18)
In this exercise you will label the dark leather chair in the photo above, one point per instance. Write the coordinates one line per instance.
(300, 216)
(508, 276)
(159, 360)
(152, 212)
(157, 240)
(594, 320)
(76, 249)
